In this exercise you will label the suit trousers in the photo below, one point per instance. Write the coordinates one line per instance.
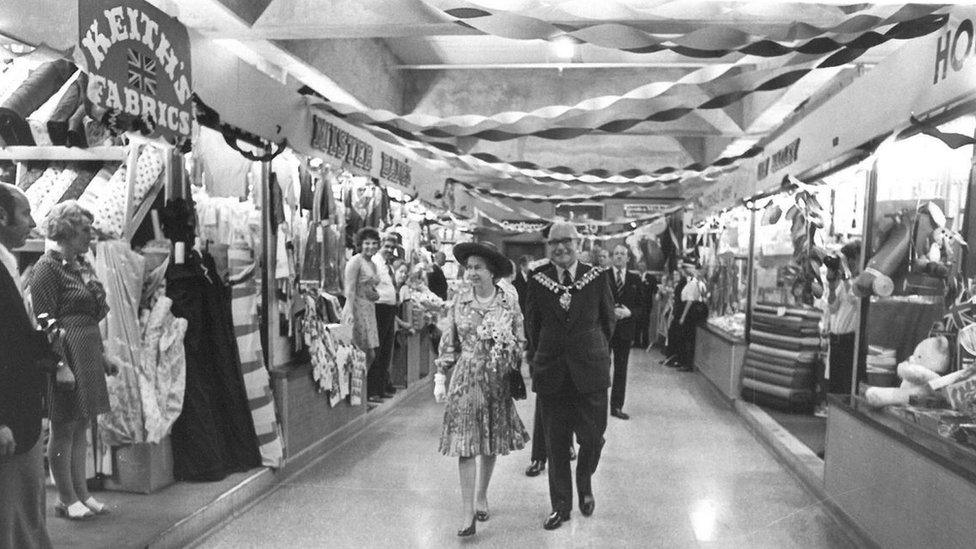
(564, 413)
(621, 357)
(538, 433)
(22, 501)
(378, 375)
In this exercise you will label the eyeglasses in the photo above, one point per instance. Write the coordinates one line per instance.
(561, 241)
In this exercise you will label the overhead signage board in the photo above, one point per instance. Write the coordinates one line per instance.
(644, 210)
(138, 61)
(342, 144)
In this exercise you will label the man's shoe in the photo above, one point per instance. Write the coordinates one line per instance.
(685, 369)
(555, 520)
(535, 469)
(587, 505)
(618, 414)
(375, 399)
(387, 394)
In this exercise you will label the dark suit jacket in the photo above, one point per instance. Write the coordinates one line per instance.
(23, 383)
(522, 287)
(632, 297)
(574, 343)
(437, 282)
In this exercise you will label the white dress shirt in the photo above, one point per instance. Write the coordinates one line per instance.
(385, 288)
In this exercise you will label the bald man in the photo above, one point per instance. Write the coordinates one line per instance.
(22, 388)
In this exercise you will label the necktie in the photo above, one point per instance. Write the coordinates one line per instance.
(620, 280)
(567, 279)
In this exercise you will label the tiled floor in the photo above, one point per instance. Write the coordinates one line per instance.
(683, 472)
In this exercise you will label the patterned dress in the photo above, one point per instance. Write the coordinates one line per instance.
(483, 343)
(76, 299)
(365, 335)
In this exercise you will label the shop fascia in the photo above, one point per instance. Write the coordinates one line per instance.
(933, 74)
(342, 143)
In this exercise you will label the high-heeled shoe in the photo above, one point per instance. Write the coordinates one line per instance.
(75, 511)
(96, 506)
(470, 530)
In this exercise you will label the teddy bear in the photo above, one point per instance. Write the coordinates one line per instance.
(926, 365)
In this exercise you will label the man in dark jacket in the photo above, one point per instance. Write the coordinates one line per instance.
(22, 386)
(569, 322)
(628, 307)
(436, 280)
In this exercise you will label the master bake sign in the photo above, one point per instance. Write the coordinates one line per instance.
(138, 60)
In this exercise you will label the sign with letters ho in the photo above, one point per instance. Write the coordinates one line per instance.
(138, 60)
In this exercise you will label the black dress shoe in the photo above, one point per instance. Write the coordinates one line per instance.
(535, 469)
(469, 531)
(618, 414)
(555, 520)
(587, 505)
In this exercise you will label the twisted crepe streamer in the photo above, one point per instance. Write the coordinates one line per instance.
(708, 42)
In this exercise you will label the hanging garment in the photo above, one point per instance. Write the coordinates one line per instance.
(121, 271)
(214, 435)
(257, 382)
(162, 372)
(224, 169)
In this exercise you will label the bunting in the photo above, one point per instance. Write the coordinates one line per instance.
(708, 42)
(952, 140)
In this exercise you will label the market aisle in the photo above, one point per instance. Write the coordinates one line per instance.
(683, 472)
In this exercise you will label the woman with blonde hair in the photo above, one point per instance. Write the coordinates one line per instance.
(63, 285)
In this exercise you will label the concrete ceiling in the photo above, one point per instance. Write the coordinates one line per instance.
(406, 56)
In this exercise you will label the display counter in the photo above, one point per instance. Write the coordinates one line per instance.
(901, 484)
(411, 357)
(305, 414)
(719, 356)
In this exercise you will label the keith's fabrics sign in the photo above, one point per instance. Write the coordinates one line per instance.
(138, 60)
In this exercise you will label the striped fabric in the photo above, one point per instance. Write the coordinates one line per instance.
(257, 382)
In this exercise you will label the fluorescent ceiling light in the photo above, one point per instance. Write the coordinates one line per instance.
(564, 47)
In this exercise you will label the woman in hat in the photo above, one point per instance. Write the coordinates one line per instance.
(483, 342)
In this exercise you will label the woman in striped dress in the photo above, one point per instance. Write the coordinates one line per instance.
(63, 285)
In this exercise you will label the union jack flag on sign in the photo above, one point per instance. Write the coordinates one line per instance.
(142, 72)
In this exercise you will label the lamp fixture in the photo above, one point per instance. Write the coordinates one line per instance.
(563, 47)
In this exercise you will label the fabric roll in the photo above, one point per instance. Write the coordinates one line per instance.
(780, 380)
(784, 399)
(781, 353)
(257, 382)
(149, 165)
(34, 172)
(77, 136)
(753, 354)
(792, 343)
(799, 371)
(59, 121)
(86, 172)
(56, 189)
(786, 393)
(789, 311)
(36, 89)
(38, 120)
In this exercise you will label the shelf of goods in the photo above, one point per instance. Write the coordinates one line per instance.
(781, 361)
(117, 184)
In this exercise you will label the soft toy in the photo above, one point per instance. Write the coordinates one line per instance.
(936, 252)
(926, 365)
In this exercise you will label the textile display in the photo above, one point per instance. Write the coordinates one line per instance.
(45, 193)
(147, 394)
(338, 367)
(39, 118)
(781, 362)
(27, 97)
(245, 296)
(214, 435)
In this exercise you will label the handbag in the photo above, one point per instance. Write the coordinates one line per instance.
(371, 293)
(517, 384)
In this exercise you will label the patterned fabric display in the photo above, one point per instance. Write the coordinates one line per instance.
(53, 195)
(38, 119)
(148, 167)
(105, 199)
(257, 382)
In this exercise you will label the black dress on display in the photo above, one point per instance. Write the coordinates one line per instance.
(214, 435)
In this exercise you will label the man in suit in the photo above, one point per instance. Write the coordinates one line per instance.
(521, 281)
(569, 322)
(22, 387)
(436, 280)
(628, 307)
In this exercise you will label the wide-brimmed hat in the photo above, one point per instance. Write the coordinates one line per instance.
(562, 229)
(500, 265)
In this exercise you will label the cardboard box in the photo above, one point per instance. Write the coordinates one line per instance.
(142, 468)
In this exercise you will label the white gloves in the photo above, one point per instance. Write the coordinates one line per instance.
(621, 312)
(440, 390)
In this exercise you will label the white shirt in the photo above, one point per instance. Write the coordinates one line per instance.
(9, 262)
(692, 291)
(572, 271)
(619, 274)
(844, 311)
(385, 288)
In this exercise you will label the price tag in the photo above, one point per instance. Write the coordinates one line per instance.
(781, 311)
